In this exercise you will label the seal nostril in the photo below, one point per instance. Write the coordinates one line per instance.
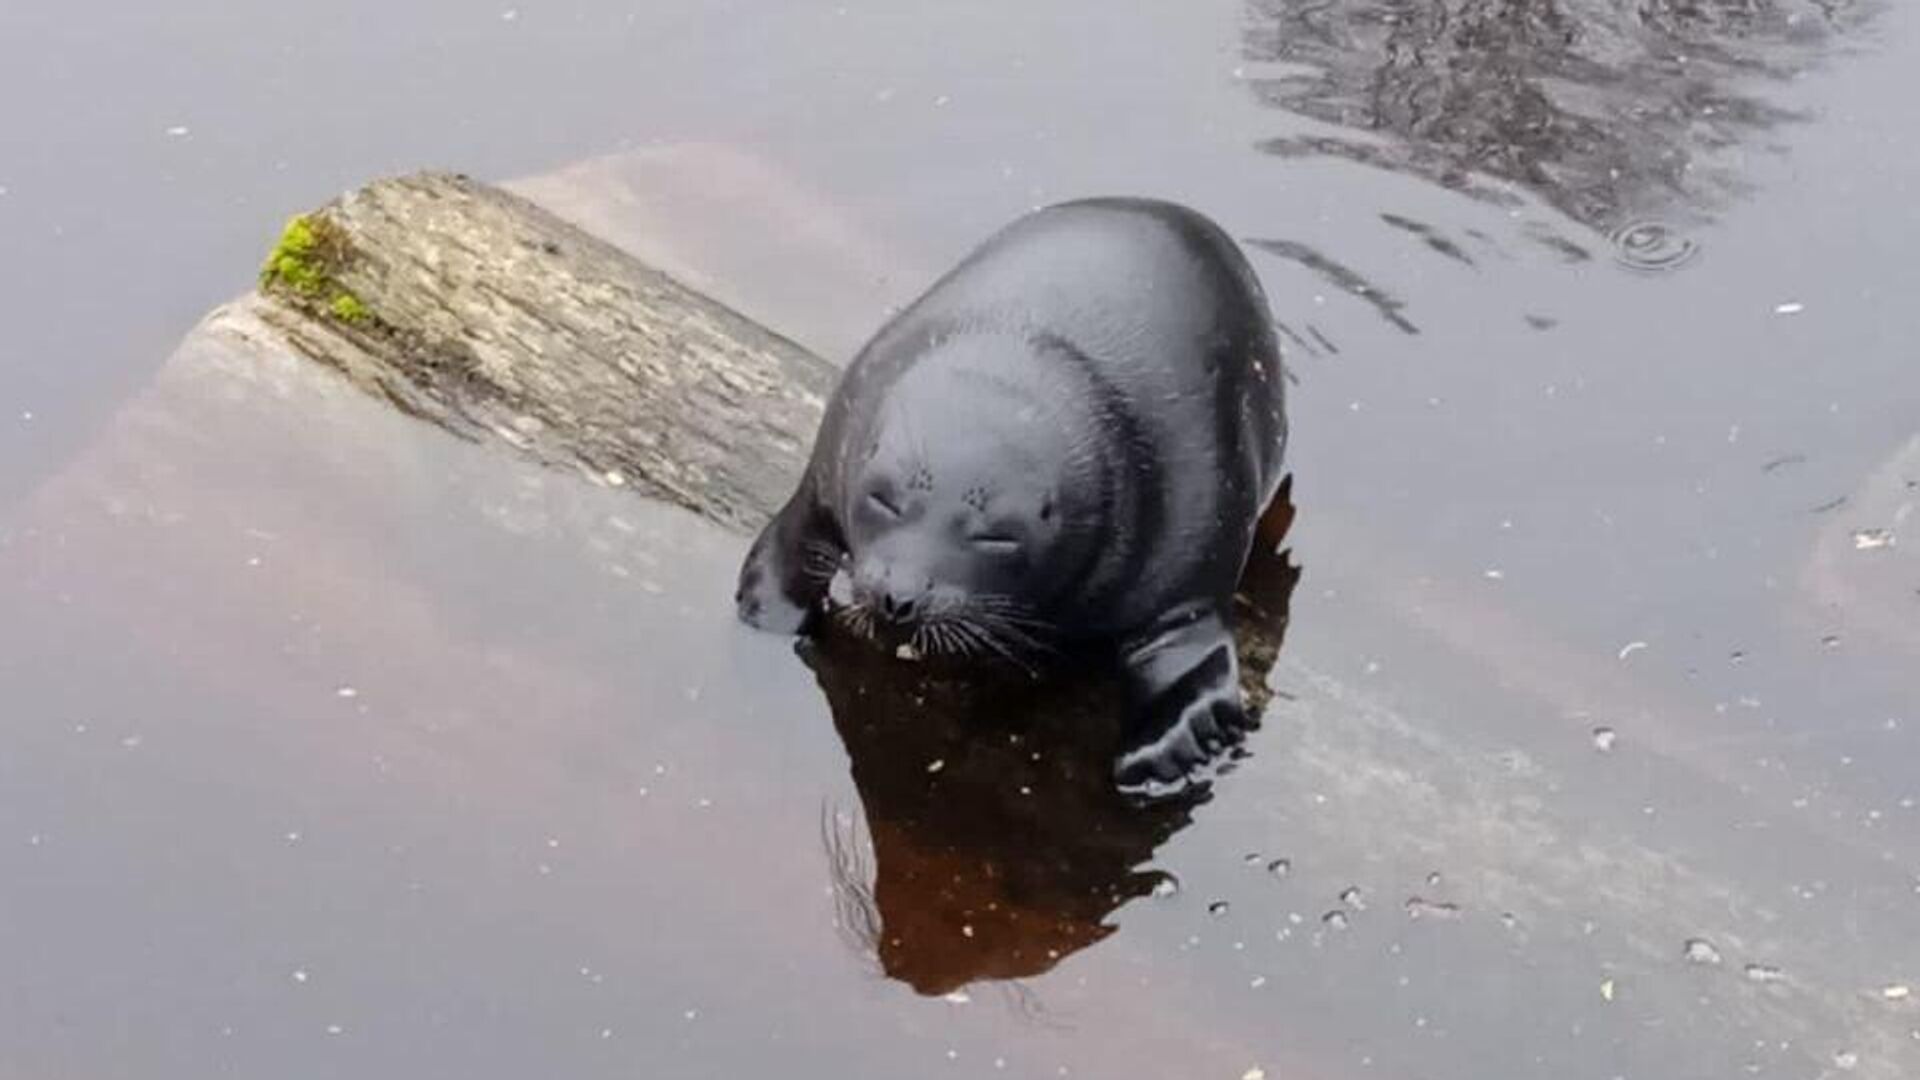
(897, 606)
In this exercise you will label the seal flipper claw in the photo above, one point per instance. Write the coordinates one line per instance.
(1186, 709)
(786, 573)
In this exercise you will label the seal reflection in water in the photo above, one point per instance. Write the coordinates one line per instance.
(999, 844)
(1063, 448)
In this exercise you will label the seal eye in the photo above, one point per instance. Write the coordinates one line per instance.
(995, 543)
(879, 501)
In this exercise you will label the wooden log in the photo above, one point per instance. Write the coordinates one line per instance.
(473, 308)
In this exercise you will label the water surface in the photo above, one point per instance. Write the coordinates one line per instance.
(333, 745)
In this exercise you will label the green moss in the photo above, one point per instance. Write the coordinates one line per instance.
(347, 308)
(305, 265)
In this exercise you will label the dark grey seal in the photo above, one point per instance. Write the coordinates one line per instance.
(1066, 444)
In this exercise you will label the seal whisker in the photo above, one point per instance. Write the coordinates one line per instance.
(992, 640)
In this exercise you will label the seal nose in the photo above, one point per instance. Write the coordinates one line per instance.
(885, 590)
(898, 605)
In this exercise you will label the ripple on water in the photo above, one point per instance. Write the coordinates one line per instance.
(1651, 247)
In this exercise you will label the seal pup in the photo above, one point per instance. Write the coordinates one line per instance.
(1066, 443)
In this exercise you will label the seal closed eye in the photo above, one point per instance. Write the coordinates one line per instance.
(1067, 441)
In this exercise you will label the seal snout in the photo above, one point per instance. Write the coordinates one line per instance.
(894, 596)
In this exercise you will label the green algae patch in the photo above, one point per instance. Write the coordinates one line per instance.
(347, 308)
(305, 265)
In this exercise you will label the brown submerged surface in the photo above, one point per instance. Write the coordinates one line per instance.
(334, 746)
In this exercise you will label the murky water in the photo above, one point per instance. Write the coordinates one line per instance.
(332, 746)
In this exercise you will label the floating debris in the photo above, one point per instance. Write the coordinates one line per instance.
(1630, 648)
(1765, 973)
(907, 652)
(1255, 1073)
(1872, 539)
(1789, 308)
(1421, 908)
(179, 131)
(958, 997)
(1167, 886)
(1846, 1060)
(346, 693)
(1651, 247)
(1607, 990)
(936, 765)
(1604, 739)
(1896, 992)
(1701, 951)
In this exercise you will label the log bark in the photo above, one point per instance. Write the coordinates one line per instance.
(479, 311)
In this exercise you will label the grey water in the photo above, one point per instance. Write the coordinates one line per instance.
(330, 745)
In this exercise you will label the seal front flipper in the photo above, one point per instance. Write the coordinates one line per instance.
(1184, 701)
(788, 568)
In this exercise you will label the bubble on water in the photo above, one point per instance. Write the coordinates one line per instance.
(1166, 886)
(1336, 920)
(1433, 880)
(958, 997)
(1354, 897)
(1791, 307)
(335, 1029)
(1872, 539)
(1831, 641)
(1252, 858)
(1218, 907)
(1419, 907)
(1765, 973)
(1604, 739)
(1280, 867)
(1255, 1073)
(1701, 951)
(1846, 1060)
(1896, 992)
(1651, 247)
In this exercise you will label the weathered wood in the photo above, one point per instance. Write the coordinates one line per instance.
(475, 309)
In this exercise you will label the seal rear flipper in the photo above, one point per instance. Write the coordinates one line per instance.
(1185, 704)
(786, 573)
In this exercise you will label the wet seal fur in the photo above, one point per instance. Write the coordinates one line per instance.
(1066, 444)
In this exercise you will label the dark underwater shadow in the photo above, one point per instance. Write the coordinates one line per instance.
(999, 844)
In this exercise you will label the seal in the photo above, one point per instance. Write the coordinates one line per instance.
(1066, 443)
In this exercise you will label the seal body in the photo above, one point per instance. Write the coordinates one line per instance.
(1068, 441)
